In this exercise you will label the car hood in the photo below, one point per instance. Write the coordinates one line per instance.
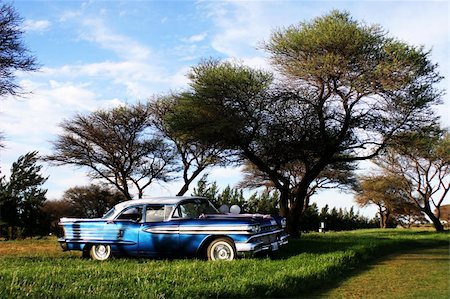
(263, 220)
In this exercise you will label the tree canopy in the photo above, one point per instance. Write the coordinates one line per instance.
(14, 55)
(344, 90)
(116, 146)
(193, 156)
(385, 191)
(22, 196)
(421, 159)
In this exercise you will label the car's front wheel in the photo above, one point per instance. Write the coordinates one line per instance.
(100, 252)
(221, 249)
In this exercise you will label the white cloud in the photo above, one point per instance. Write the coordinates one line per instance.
(36, 25)
(195, 38)
(140, 79)
(96, 31)
(240, 26)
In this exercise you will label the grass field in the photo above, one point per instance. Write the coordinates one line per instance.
(310, 266)
(423, 273)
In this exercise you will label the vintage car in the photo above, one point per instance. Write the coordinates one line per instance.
(172, 226)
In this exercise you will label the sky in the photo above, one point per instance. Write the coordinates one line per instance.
(101, 54)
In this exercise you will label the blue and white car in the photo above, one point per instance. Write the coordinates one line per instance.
(172, 226)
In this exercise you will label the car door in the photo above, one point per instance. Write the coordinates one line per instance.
(192, 229)
(158, 236)
(125, 229)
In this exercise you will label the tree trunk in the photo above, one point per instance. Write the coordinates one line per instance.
(293, 223)
(295, 212)
(436, 221)
(291, 213)
(188, 181)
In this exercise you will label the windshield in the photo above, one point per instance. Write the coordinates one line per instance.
(109, 214)
(194, 209)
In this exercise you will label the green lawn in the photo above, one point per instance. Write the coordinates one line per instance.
(38, 268)
(423, 273)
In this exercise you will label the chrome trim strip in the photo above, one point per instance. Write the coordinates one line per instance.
(243, 229)
(92, 240)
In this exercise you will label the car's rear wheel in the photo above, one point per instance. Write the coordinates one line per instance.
(221, 249)
(100, 252)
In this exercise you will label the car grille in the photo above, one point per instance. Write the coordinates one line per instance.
(266, 239)
(269, 228)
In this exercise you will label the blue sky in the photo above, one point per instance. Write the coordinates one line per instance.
(99, 54)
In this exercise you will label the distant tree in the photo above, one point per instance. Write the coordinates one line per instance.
(14, 55)
(21, 197)
(444, 213)
(91, 201)
(207, 190)
(117, 146)
(408, 214)
(194, 156)
(339, 175)
(341, 219)
(310, 220)
(263, 203)
(54, 210)
(232, 196)
(422, 160)
(384, 192)
(346, 88)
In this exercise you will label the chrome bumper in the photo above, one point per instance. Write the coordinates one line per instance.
(254, 247)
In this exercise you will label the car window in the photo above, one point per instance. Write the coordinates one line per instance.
(154, 213)
(131, 213)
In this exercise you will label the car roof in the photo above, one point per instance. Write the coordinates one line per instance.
(172, 200)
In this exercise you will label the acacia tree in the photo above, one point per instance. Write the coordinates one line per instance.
(14, 55)
(346, 89)
(422, 160)
(116, 145)
(393, 204)
(194, 156)
(339, 175)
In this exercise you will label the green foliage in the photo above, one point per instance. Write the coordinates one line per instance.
(305, 267)
(205, 189)
(267, 202)
(334, 219)
(219, 109)
(264, 203)
(194, 156)
(21, 198)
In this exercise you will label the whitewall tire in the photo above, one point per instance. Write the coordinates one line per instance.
(100, 252)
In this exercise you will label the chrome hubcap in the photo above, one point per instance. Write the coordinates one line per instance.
(223, 252)
(101, 250)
